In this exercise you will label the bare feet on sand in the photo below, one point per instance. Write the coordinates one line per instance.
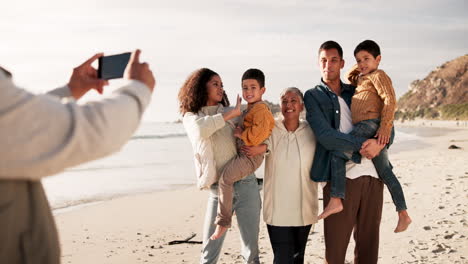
(220, 230)
(334, 206)
(403, 221)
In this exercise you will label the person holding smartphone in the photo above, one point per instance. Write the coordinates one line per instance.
(42, 135)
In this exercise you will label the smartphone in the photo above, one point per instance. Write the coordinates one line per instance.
(113, 67)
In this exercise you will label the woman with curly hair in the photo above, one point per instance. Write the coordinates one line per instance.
(206, 112)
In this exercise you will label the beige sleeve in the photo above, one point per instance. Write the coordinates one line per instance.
(203, 126)
(384, 87)
(61, 92)
(41, 135)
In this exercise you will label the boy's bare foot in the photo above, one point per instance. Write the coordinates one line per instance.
(403, 221)
(220, 230)
(334, 206)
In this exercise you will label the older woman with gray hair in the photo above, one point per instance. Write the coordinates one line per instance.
(290, 204)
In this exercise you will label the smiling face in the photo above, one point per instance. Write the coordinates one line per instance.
(291, 106)
(214, 88)
(330, 63)
(251, 91)
(367, 63)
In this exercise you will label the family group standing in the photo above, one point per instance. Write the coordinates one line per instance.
(342, 147)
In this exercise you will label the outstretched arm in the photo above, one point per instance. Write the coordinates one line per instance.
(205, 126)
(41, 135)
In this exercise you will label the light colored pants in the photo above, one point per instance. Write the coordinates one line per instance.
(247, 206)
(235, 170)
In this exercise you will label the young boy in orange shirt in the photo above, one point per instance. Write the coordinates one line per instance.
(258, 122)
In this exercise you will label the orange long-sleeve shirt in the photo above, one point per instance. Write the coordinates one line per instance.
(374, 98)
(258, 124)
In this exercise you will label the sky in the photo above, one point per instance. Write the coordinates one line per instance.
(43, 40)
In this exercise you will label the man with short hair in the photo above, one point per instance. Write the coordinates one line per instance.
(329, 115)
(41, 135)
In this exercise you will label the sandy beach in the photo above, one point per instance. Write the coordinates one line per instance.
(137, 229)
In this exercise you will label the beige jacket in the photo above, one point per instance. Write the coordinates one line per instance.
(41, 135)
(306, 141)
(200, 128)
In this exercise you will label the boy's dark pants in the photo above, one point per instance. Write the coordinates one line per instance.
(367, 129)
(362, 212)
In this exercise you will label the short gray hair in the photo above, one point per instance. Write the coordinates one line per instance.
(293, 90)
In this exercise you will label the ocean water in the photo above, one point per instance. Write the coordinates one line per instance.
(158, 157)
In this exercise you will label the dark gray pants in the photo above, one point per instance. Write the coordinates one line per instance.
(27, 229)
(288, 243)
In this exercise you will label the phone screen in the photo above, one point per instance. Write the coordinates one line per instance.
(113, 67)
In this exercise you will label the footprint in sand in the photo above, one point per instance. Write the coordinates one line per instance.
(439, 249)
(449, 236)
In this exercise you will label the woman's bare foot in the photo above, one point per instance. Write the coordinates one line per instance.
(220, 230)
(403, 221)
(334, 206)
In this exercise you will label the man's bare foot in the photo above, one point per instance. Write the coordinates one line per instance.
(220, 230)
(334, 206)
(403, 221)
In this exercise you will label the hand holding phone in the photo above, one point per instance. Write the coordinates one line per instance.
(113, 67)
(140, 71)
(84, 78)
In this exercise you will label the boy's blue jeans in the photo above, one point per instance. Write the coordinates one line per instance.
(367, 129)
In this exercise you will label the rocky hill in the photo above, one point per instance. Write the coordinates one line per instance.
(443, 94)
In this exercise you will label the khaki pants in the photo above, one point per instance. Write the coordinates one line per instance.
(235, 170)
(362, 212)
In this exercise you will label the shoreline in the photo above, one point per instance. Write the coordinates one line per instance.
(417, 134)
(137, 228)
(462, 124)
(88, 202)
(410, 128)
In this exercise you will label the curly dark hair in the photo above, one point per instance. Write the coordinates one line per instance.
(193, 94)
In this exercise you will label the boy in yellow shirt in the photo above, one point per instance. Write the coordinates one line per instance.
(372, 110)
(258, 122)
